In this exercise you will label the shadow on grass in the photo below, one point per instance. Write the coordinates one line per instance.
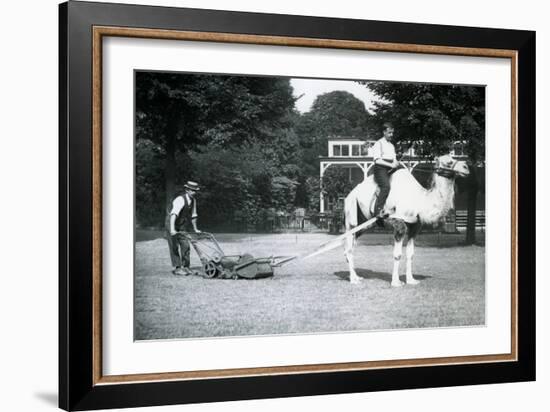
(371, 274)
(451, 246)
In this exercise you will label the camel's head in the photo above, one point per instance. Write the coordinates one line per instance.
(447, 165)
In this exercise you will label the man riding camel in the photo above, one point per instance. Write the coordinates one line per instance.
(182, 213)
(385, 161)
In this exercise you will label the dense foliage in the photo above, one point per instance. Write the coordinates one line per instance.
(254, 155)
(336, 183)
(337, 113)
(432, 118)
(233, 134)
(257, 158)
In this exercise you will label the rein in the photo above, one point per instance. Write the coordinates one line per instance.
(447, 172)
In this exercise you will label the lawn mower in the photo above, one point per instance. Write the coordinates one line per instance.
(216, 264)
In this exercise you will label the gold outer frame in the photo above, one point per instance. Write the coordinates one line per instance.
(101, 31)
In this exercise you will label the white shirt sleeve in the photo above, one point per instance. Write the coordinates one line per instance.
(377, 150)
(177, 205)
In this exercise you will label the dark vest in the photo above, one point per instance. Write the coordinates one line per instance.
(183, 219)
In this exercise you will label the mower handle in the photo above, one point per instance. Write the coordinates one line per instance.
(195, 234)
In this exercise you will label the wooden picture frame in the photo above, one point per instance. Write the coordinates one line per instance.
(83, 26)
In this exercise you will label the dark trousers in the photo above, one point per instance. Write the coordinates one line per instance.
(382, 178)
(179, 250)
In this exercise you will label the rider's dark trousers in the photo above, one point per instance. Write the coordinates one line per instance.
(382, 179)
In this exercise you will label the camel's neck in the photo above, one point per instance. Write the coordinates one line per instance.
(439, 199)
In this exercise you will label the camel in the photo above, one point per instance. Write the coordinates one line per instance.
(409, 205)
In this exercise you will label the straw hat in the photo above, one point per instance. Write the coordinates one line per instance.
(192, 186)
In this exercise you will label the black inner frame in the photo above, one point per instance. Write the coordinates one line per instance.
(76, 389)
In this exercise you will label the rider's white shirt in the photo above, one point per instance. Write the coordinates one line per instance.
(383, 149)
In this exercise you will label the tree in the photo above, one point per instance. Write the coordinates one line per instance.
(283, 193)
(179, 112)
(233, 182)
(340, 113)
(312, 192)
(336, 183)
(241, 184)
(149, 174)
(336, 113)
(431, 118)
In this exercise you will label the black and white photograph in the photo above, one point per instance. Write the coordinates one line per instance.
(302, 206)
(272, 205)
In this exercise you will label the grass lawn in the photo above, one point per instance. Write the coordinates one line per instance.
(309, 296)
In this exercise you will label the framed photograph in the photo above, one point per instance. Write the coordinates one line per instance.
(256, 206)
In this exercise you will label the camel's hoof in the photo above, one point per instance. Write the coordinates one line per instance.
(355, 280)
(412, 282)
(397, 284)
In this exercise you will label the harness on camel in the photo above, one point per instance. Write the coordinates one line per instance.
(448, 172)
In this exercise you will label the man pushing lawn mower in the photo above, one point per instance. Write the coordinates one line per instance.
(182, 214)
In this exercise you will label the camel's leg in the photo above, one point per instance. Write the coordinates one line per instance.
(397, 251)
(350, 246)
(410, 253)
